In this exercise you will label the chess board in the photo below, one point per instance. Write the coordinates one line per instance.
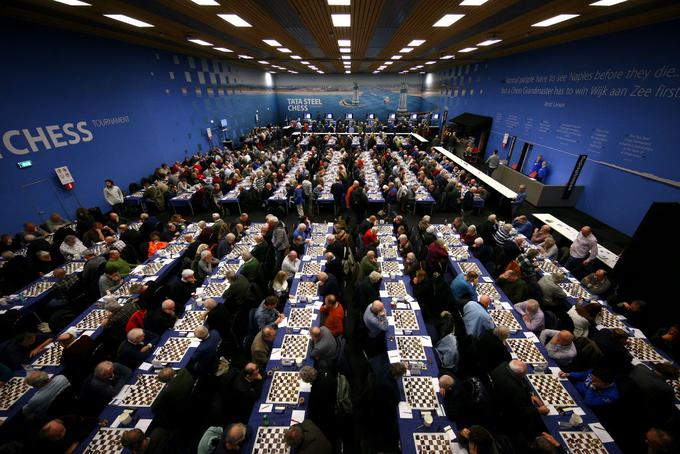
(454, 242)
(388, 252)
(74, 267)
(106, 441)
(285, 388)
(150, 269)
(37, 289)
(99, 249)
(248, 239)
(432, 443)
(124, 289)
(643, 350)
(675, 384)
(11, 392)
(583, 443)
(190, 321)
(174, 248)
(50, 357)
(92, 320)
(405, 319)
(173, 350)
(390, 267)
(410, 348)
(300, 317)
(395, 289)
(315, 251)
(575, 290)
(311, 268)
(215, 289)
(294, 346)
(144, 392)
(444, 229)
(225, 267)
(420, 393)
(470, 266)
(609, 320)
(548, 267)
(306, 288)
(458, 253)
(487, 288)
(319, 227)
(550, 390)
(240, 248)
(385, 229)
(256, 227)
(526, 351)
(318, 239)
(269, 440)
(504, 317)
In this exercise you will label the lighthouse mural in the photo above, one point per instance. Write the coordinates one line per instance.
(403, 98)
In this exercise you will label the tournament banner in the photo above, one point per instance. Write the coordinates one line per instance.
(580, 162)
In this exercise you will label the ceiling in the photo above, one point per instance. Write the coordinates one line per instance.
(379, 29)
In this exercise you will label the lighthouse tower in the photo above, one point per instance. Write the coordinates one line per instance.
(403, 98)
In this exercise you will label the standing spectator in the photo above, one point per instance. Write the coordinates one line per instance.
(517, 202)
(113, 195)
(333, 315)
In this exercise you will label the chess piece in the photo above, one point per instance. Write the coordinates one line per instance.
(427, 418)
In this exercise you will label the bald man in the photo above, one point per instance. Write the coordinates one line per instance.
(204, 358)
(583, 250)
(597, 283)
(561, 346)
(324, 346)
(161, 319)
(476, 318)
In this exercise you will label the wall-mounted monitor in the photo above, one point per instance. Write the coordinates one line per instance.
(223, 122)
(393, 116)
(349, 116)
(435, 117)
(329, 116)
(308, 116)
(371, 116)
(414, 116)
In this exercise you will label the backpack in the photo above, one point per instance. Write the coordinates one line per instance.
(343, 399)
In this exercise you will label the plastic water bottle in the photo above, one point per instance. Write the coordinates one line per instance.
(265, 420)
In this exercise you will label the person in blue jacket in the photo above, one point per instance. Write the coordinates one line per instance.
(596, 386)
(463, 288)
(542, 172)
(536, 165)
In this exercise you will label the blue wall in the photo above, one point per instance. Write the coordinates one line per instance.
(320, 94)
(137, 107)
(603, 97)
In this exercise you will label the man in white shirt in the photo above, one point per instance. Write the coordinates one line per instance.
(291, 264)
(113, 195)
(583, 250)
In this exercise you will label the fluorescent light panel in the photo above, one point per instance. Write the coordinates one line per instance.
(448, 19)
(341, 20)
(264, 62)
(473, 2)
(431, 62)
(416, 42)
(348, 72)
(396, 57)
(73, 2)
(206, 2)
(388, 62)
(284, 50)
(346, 57)
(339, 2)
(447, 57)
(406, 50)
(245, 57)
(607, 2)
(489, 42)
(468, 49)
(304, 62)
(345, 50)
(296, 57)
(200, 42)
(555, 20)
(234, 20)
(130, 20)
(344, 42)
(272, 42)
(223, 49)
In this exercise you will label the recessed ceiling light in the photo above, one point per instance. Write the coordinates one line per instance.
(448, 19)
(234, 20)
(295, 57)
(468, 49)
(555, 20)
(431, 62)
(388, 62)
(339, 2)
(341, 20)
(406, 50)
(345, 50)
(223, 49)
(73, 2)
(272, 42)
(206, 2)
(473, 2)
(320, 72)
(447, 57)
(346, 57)
(284, 50)
(416, 42)
(412, 68)
(604, 2)
(304, 62)
(348, 72)
(245, 57)
(263, 62)
(419, 66)
(344, 42)
(489, 42)
(200, 42)
(396, 57)
(130, 20)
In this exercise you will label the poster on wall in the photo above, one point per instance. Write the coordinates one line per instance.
(580, 162)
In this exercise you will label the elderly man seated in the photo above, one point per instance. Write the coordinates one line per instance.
(560, 346)
(597, 283)
(72, 248)
(531, 314)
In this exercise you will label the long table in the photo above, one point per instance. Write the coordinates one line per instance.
(469, 168)
(603, 254)
(503, 312)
